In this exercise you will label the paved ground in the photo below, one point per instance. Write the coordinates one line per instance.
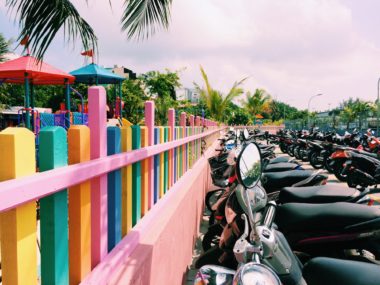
(204, 224)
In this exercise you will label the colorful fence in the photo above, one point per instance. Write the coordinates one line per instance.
(95, 184)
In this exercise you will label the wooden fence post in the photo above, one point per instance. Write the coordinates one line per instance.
(166, 161)
(114, 190)
(79, 208)
(171, 120)
(184, 147)
(136, 177)
(157, 176)
(162, 162)
(149, 123)
(192, 144)
(54, 211)
(97, 122)
(145, 196)
(126, 187)
(18, 225)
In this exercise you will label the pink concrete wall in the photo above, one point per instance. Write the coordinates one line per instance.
(162, 243)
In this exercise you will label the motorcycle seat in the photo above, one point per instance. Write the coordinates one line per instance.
(371, 156)
(266, 148)
(331, 271)
(301, 217)
(279, 159)
(316, 144)
(272, 181)
(329, 193)
(282, 166)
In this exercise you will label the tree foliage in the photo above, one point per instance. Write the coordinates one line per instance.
(4, 48)
(41, 20)
(257, 102)
(133, 96)
(142, 17)
(237, 115)
(162, 84)
(215, 100)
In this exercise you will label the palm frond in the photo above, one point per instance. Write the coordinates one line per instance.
(205, 79)
(141, 17)
(41, 20)
(4, 48)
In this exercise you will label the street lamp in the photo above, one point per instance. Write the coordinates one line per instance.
(308, 107)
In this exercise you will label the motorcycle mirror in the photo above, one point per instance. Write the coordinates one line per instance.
(248, 166)
(246, 134)
(251, 199)
(214, 274)
(238, 133)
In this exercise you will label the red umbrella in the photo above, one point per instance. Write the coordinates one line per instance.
(28, 70)
(38, 73)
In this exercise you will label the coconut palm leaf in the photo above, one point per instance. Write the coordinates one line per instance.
(41, 20)
(255, 103)
(215, 101)
(141, 17)
(3, 48)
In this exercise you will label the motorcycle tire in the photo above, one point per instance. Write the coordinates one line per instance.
(338, 171)
(291, 150)
(304, 155)
(211, 238)
(212, 257)
(351, 181)
(297, 152)
(283, 148)
(327, 165)
(212, 197)
(313, 159)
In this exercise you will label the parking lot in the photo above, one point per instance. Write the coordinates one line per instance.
(204, 224)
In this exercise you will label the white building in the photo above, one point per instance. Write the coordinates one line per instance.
(188, 94)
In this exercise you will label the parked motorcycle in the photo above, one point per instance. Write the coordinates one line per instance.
(262, 254)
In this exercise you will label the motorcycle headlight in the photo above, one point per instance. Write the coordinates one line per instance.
(214, 275)
(255, 274)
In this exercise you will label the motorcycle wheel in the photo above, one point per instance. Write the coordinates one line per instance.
(313, 159)
(283, 148)
(327, 165)
(351, 181)
(338, 171)
(209, 257)
(304, 155)
(212, 197)
(291, 150)
(211, 238)
(297, 152)
(212, 257)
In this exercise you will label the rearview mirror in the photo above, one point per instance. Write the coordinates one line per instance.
(249, 166)
(246, 134)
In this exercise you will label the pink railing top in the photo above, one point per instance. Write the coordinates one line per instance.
(17, 191)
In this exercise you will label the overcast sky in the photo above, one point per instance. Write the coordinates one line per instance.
(291, 48)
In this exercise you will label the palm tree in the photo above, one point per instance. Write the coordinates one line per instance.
(361, 110)
(3, 48)
(256, 103)
(334, 113)
(215, 101)
(40, 21)
(348, 115)
(162, 105)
